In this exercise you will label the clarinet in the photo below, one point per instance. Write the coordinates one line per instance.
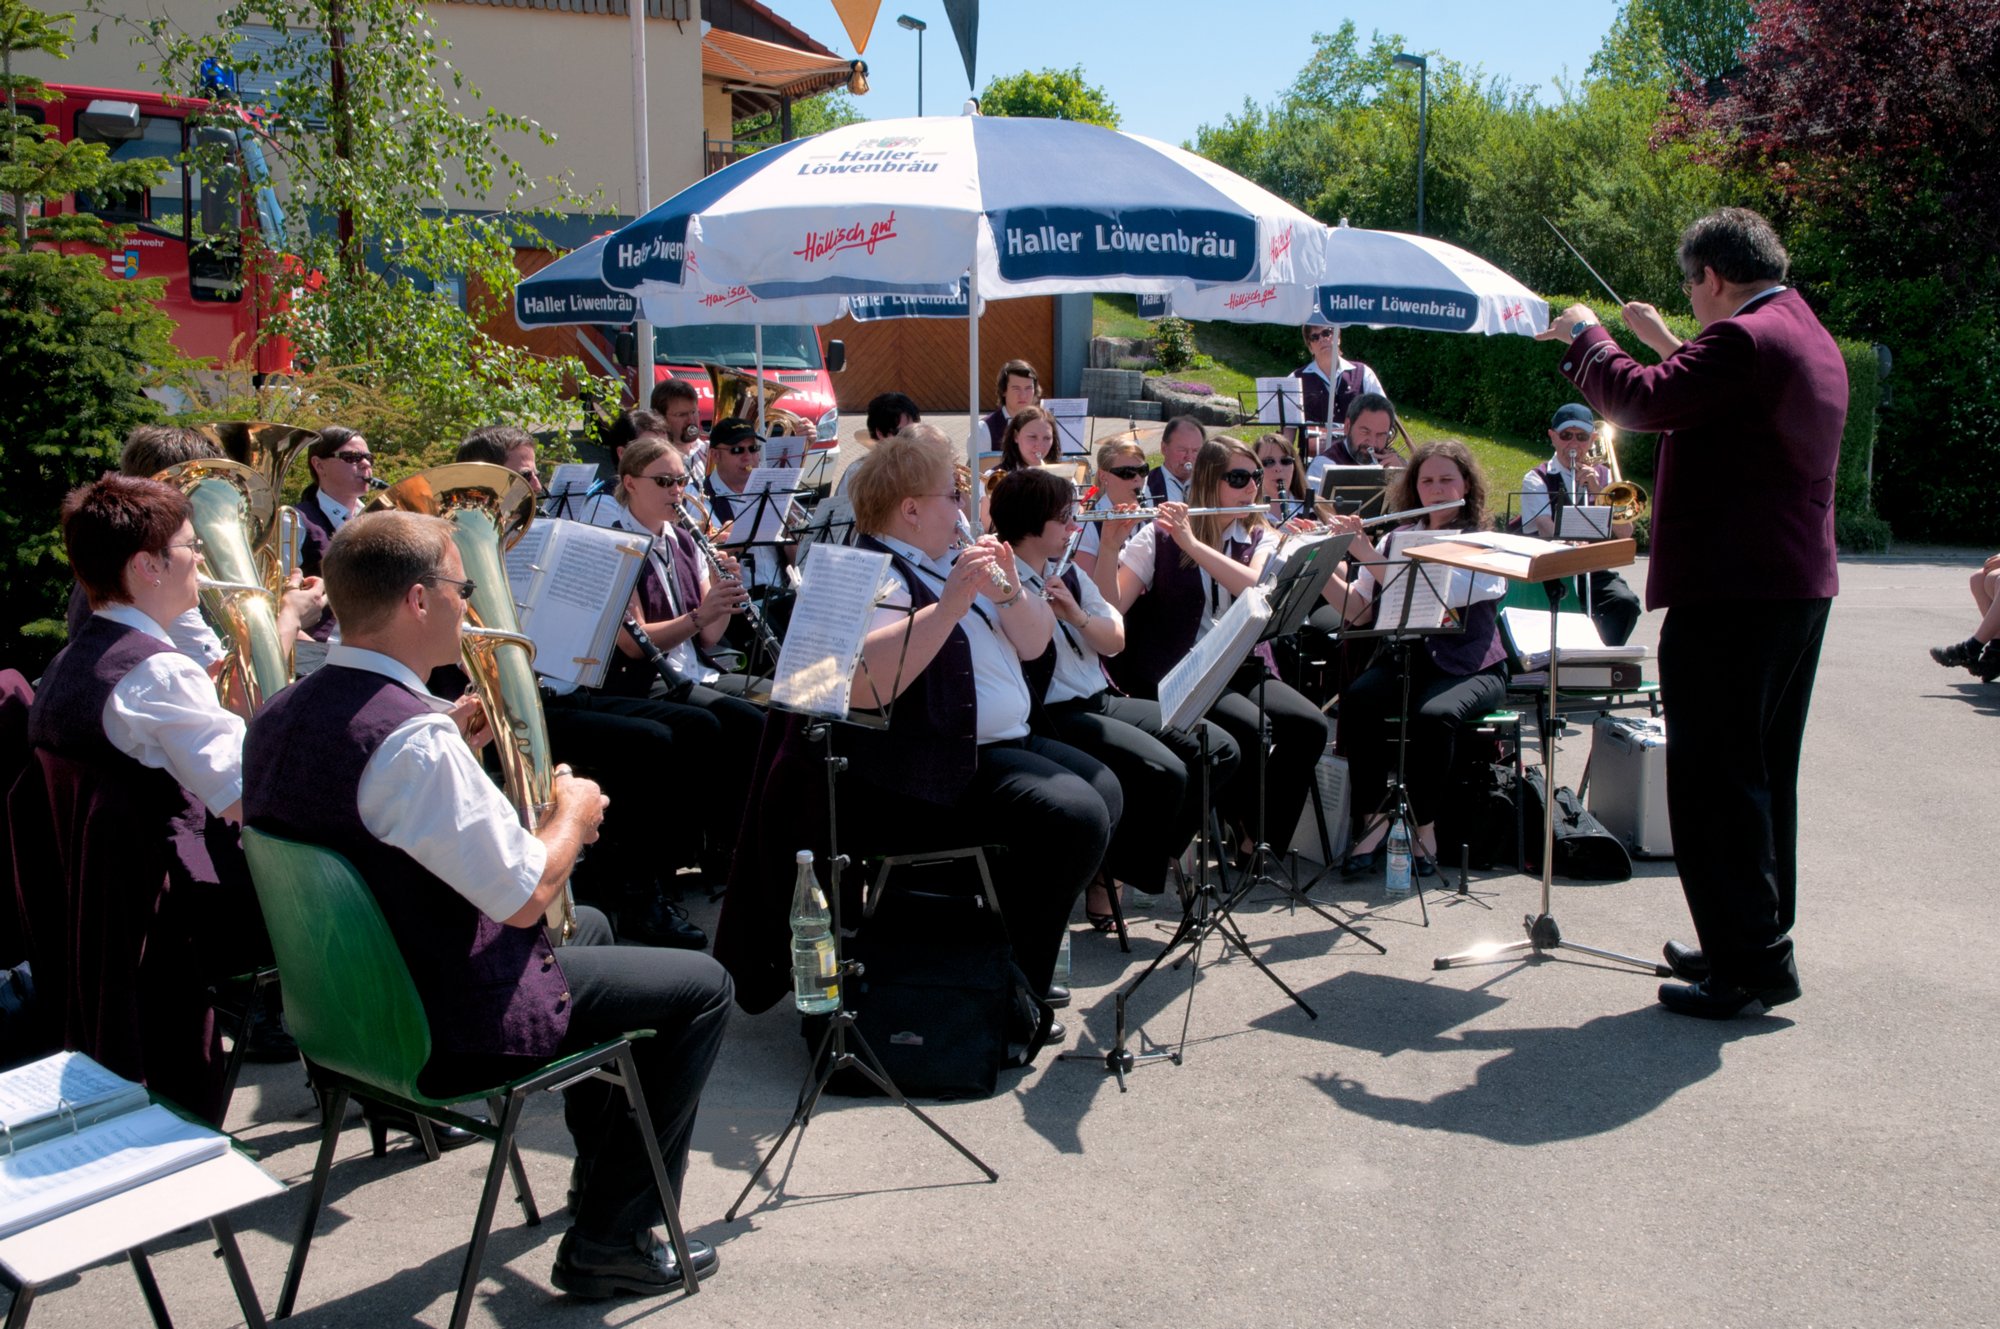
(654, 655)
(767, 640)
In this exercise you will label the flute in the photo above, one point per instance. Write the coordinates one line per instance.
(1192, 512)
(966, 539)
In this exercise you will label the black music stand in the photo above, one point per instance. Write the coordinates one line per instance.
(748, 514)
(1559, 561)
(833, 1055)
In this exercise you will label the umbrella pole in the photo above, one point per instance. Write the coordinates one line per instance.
(757, 342)
(972, 447)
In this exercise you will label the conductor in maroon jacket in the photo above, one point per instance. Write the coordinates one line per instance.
(1761, 391)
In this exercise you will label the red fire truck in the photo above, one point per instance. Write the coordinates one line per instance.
(187, 229)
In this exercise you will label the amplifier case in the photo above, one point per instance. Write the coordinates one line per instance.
(1628, 783)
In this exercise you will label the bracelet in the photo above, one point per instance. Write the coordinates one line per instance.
(1002, 604)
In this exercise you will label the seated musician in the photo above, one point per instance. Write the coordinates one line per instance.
(1018, 388)
(1173, 578)
(1284, 480)
(958, 764)
(342, 466)
(622, 743)
(888, 412)
(1157, 768)
(600, 506)
(1454, 678)
(133, 889)
(1180, 441)
(1567, 478)
(1120, 482)
(734, 451)
(1028, 440)
(357, 757)
(1372, 428)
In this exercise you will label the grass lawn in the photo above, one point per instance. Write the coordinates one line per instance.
(1239, 363)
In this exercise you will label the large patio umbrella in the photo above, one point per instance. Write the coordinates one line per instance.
(1021, 206)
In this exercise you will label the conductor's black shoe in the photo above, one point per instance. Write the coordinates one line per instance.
(594, 1270)
(649, 920)
(1358, 865)
(1712, 1002)
(1687, 962)
(1058, 997)
(1959, 654)
(1057, 1033)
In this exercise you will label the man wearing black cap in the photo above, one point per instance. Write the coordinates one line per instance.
(1761, 391)
(1566, 479)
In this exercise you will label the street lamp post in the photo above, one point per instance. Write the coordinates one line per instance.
(1422, 65)
(917, 26)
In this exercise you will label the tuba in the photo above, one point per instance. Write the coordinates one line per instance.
(735, 390)
(489, 507)
(236, 514)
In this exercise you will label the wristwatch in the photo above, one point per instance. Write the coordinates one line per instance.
(1576, 329)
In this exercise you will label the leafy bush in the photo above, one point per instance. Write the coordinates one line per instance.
(1173, 344)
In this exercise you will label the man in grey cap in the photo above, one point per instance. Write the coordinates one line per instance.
(1567, 479)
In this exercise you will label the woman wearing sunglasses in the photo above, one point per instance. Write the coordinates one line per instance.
(1284, 479)
(133, 888)
(343, 469)
(1179, 574)
(1031, 511)
(958, 763)
(1454, 678)
(1120, 484)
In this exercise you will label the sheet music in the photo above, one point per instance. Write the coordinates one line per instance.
(526, 557)
(1072, 417)
(784, 451)
(780, 482)
(1584, 522)
(575, 599)
(1576, 638)
(39, 1090)
(829, 621)
(1281, 401)
(572, 479)
(71, 1171)
(1193, 685)
(1527, 546)
(1410, 596)
(832, 521)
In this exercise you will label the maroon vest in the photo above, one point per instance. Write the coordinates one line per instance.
(489, 989)
(931, 747)
(315, 534)
(632, 676)
(1162, 625)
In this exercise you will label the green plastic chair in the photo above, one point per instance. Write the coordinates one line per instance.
(353, 1007)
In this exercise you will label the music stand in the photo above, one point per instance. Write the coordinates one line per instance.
(1353, 490)
(1519, 558)
(833, 1055)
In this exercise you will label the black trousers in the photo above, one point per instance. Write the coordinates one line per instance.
(1736, 679)
(1158, 771)
(629, 745)
(1298, 737)
(715, 786)
(1614, 606)
(1053, 808)
(1441, 705)
(683, 996)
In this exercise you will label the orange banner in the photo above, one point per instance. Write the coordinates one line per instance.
(858, 17)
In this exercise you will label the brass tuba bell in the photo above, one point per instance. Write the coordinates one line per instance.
(736, 389)
(1626, 499)
(489, 508)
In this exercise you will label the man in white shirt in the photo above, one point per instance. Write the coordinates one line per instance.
(360, 757)
(1564, 480)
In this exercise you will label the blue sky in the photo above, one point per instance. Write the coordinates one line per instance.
(1173, 65)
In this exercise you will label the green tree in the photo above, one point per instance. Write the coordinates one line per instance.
(1053, 94)
(76, 344)
(378, 139)
(815, 115)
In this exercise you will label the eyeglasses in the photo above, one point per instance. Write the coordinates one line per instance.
(354, 458)
(738, 449)
(669, 481)
(1573, 435)
(1688, 284)
(194, 543)
(1242, 479)
(1125, 472)
(957, 495)
(1318, 335)
(464, 588)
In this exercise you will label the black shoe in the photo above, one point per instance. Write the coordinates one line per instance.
(382, 1119)
(1058, 998)
(268, 1041)
(649, 920)
(594, 1271)
(1687, 962)
(1988, 667)
(1960, 654)
(1712, 1002)
(1057, 1033)
(1358, 865)
(1426, 866)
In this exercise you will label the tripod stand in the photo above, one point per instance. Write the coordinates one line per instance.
(833, 1055)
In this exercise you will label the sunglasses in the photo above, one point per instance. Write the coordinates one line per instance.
(1318, 335)
(1270, 462)
(1242, 479)
(1573, 435)
(354, 458)
(738, 449)
(1125, 472)
(668, 481)
(464, 588)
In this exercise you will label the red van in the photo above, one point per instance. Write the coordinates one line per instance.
(793, 355)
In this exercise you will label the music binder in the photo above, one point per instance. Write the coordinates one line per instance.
(571, 583)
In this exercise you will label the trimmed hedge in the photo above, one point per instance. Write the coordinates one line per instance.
(1511, 386)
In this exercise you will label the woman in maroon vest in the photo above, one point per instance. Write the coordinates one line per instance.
(1172, 580)
(1454, 678)
(118, 828)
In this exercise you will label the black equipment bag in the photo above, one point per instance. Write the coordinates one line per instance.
(1479, 812)
(1585, 851)
(939, 997)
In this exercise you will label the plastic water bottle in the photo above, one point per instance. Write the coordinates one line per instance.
(1399, 858)
(815, 961)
